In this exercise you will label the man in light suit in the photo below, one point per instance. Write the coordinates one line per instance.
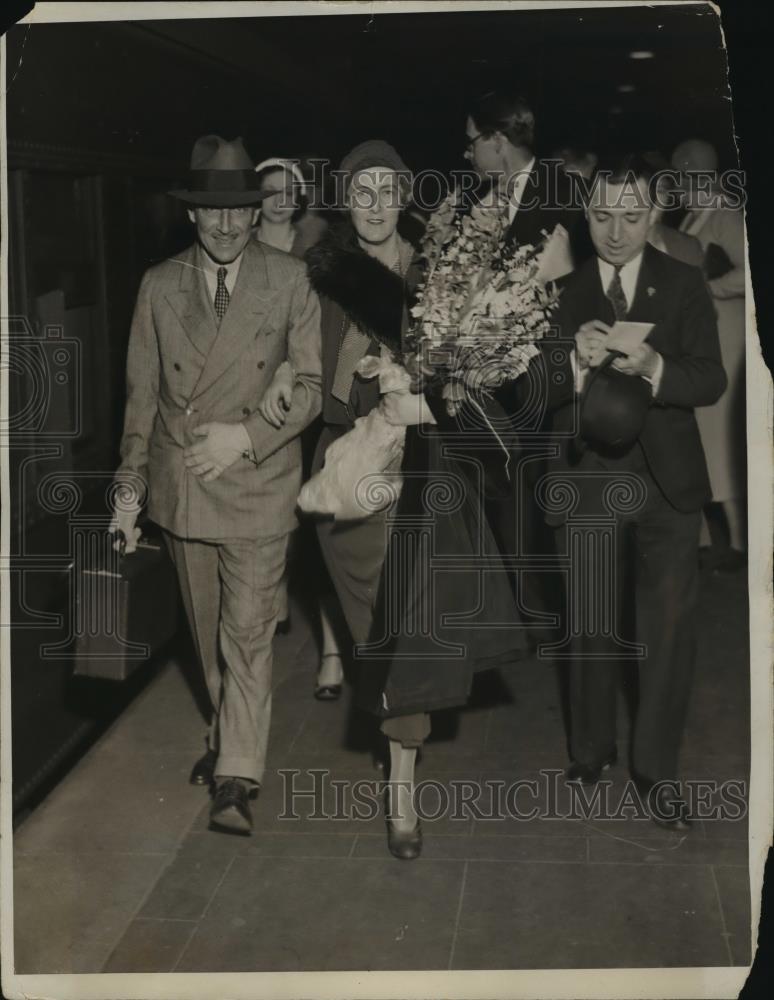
(677, 368)
(210, 328)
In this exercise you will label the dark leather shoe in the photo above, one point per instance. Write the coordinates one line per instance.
(664, 805)
(203, 771)
(405, 846)
(589, 774)
(230, 812)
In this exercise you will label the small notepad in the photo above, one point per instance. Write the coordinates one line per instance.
(627, 337)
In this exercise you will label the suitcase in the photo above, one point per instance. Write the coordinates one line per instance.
(126, 609)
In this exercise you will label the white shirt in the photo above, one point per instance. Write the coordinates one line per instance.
(210, 268)
(629, 274)
(517, 191)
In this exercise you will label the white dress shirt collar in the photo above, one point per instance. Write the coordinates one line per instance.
(210, 268)
(517, 191)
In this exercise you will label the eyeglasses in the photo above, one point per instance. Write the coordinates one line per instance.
(470, 141)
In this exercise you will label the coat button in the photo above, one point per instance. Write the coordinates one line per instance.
(261, 364)
(176, 366)
(245, 411)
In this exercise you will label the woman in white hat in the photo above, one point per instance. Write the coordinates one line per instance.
(286, 220)
(287, 223)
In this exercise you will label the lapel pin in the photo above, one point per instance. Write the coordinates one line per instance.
(651, 291)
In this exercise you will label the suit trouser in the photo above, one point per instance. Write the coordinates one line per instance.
(232, 594)
(657, 557)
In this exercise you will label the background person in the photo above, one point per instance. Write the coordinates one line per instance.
(719, 228)
(286, 223)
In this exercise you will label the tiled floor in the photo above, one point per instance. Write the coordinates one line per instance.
(117, 871)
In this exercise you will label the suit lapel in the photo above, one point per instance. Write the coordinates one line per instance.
(520, 231)
(649, 292)
(192, 304)
(599, 305)
(249, 305)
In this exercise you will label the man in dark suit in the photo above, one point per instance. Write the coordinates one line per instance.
(663, 476)
(542, 203)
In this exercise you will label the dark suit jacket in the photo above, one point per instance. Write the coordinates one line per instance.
(517, 409)
(549, 199)
(673, 296)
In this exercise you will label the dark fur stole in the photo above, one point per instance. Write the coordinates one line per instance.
(371, 295)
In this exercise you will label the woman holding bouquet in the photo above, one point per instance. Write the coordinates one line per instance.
(419, 632)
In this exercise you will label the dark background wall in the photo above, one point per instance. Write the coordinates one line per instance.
(101, 119)
(321, 83)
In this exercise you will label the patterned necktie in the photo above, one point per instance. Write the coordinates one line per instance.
(221, 295)
(616, 295)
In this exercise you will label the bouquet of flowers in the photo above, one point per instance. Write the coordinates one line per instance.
(479, 313)
(483, 305)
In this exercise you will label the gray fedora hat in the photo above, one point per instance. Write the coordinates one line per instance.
(222, 175)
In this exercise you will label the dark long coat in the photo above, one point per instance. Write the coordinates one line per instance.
(443, 606)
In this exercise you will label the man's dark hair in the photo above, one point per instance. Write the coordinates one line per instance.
(623, 167)
(508, 114)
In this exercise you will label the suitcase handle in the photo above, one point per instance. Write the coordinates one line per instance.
(143, 542)
(121, 543)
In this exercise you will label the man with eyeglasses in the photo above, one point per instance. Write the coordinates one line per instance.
(542, 203)
(210, 328)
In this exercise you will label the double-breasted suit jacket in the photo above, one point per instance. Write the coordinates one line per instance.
(183, 371)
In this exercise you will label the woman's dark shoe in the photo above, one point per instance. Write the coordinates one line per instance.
(230, 812)
(404, 845)
(203, 771)
(328, 692)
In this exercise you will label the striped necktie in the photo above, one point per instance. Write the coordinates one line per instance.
(616, 295)
(221, 295)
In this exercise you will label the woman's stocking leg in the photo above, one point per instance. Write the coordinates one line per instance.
(401, 787)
